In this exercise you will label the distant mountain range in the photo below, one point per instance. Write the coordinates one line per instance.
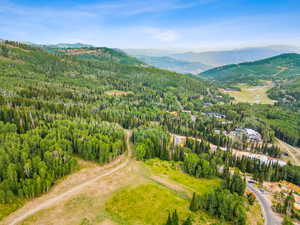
(220, 58)
(197, 61)
(168, 63)
(152, 52)
(285, 66)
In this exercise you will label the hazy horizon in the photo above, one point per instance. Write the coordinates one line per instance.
(177, 24)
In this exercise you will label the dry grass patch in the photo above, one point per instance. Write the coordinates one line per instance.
(87, 206)
(254, 215)
(118, 93)
(9, 60)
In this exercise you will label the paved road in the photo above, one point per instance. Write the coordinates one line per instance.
(270, 217)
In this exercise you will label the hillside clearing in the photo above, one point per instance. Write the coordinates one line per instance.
(146, 204)
(251, 94)
(118, 93)
(149, 204)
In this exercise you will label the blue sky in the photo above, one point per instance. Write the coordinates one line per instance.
(185, 24)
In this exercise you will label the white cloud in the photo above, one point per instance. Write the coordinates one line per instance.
(135, 7)
(162, 35)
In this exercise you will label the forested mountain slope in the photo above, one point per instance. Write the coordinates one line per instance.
(285, 66)
(102, 54)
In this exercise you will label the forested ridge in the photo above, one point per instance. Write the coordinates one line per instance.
(279, 67)
(283, 70)
(96, 54)
(52, 106)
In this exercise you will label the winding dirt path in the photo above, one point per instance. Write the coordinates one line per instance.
(59, 194)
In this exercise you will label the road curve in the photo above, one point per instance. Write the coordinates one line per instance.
(270, 217)
(71, 191)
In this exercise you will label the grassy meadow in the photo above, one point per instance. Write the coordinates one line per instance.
(172, 171)
(150, 203)
(252, 94)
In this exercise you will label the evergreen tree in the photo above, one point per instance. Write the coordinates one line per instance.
(193, 204)
(188, 221)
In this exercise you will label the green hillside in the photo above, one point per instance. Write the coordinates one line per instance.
(102, 54)
(99, 70)
(285, 66)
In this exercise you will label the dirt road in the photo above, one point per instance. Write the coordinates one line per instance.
(44, 202)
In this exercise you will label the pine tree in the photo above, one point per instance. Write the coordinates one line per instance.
(169, 220)
(188, 221)
(289, 204)
(175, 219)
(193, 205)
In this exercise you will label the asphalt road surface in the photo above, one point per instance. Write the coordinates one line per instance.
(270, 217)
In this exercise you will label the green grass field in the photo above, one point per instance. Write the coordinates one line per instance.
(150, 204)
(146, 204)
(173, 172)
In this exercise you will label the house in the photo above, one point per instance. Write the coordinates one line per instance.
(216, 115)
(193, 118)
(265, 159)
(208, 104)
(179, 140)
(250, 134)
(253, 135)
